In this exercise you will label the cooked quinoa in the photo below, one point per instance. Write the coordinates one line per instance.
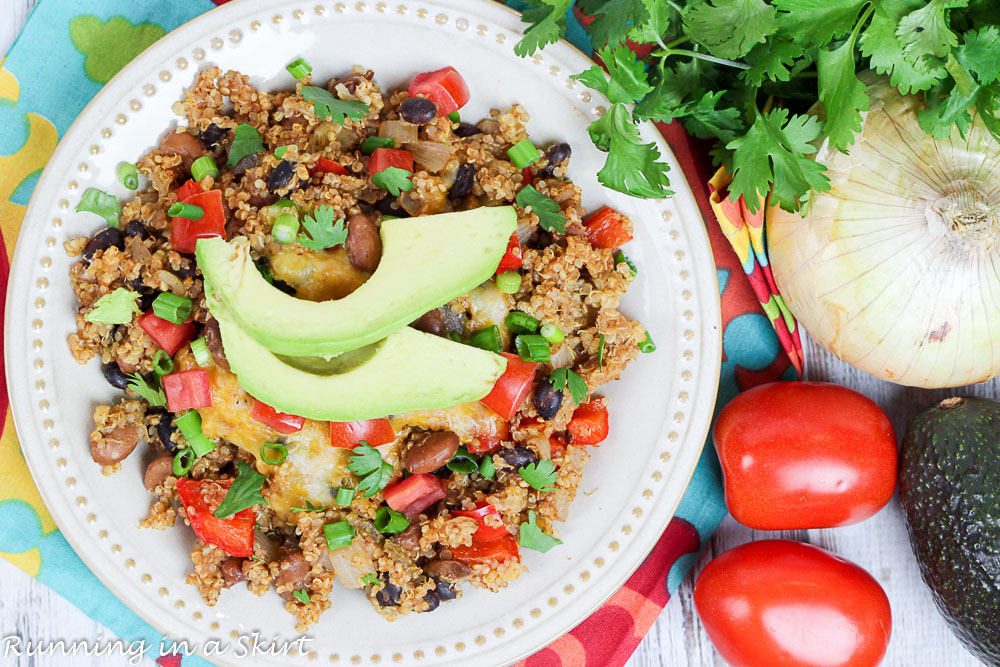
(566, 281)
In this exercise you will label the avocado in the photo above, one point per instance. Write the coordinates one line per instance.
(409, 370)
(949, 486)
(426, 262)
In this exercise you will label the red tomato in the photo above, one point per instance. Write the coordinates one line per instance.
(189, 188)
(557, 444)
(799, 455)
(500, 550)
(325, 166)
(415, 494)
(187, 390)
(383, 158)
(486, 531)
(184, 233)
(513, 386)
(445, 87)
(606, 229)
(512, 258)
(276, 421)
(589, 425)
(487, 442)
(374, 432)
(201, 498)
(165, 333)
(778, 602)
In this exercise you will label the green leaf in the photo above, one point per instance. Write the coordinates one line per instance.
(879, 42)
(613, 18)
(660, 16)
(374, 473)
(632, 167)
(561, 377)
(369, 579)
(328, 107)
(541, 475)
(101, 203)
(244, 492)
(153, 395)
(978, 53)
(706, 121)
(673, 89)
(600, 352)
(944, 107)
(550, 216)
(842, 94)
(302, 595)
(925, 32)
(988, 106)
(116, 307)
(625, 80)
(394, 180)
(324, 231)
(816, 22)
(770, 61)
(308, 508)
(548, 24)
(532, 537)
(730, 28)
(246, 141)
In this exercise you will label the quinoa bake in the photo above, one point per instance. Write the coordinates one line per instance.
(311, 183)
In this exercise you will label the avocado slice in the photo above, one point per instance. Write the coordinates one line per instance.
(409, 370)
(426, 262)
(949, 487)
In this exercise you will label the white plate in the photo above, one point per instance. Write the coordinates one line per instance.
(660, 410)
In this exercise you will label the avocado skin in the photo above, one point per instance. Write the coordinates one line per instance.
(949, 486)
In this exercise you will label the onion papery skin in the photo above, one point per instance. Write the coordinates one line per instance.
(896, 268)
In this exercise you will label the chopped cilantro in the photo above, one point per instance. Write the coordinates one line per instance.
(153, 395)
(600, 351)
(369, 579)
(374, 473)
(302, 595)
(394, 180)
(116, 307)
(541, 475)
(324, 232)
(550, 216)
(548, 22)
(246, 141)
(328, 107)
(532, 537)
(561, 377)
(244, 493)
(308, 508)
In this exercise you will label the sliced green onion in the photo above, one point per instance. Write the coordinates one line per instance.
(299, 68)
(486, 467)
(199, 348)
(487, 338)
(168, 306)
(462, 462)
(647, 345)
(600, 351)
(183, 462)
(204, 166)
(280, 151)
(533, 347)
(265, 270)
(128, 175)
(189, 424)
(521, 323)
(454, 117)
(186, 211)
(338, 535)
(509, 282)
(101, 203)
(281, 453)
(345, 496)
(552, 333)
(285, 228)
(389, 521)
(162, 363)
(284, 203)
(621, 257)
(369, 145)
(523, 154)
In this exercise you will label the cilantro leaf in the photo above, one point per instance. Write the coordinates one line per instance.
(369, 579)
(843, 95)
(561, 377)
(632, 167)
(944, 106)
(730, 28)
(302, 595)
(548, 24)
(880, 44)
(393, 179)
(374, 473)
(925, 32)
(115, 307)
(550, 216)
(153, 395)
(244, 492)
(541, 475)
(101, 203)
(324, 231)
(706, 121)
(246, 141)
(771, 61)
(328, 107)
(625, 80)
(659, 21)
(774, 151)
(978, 53)
(673, 90)
(532, 537)
(816, 22)
(613, 18)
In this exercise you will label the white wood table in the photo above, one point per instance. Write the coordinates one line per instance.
(920, 636)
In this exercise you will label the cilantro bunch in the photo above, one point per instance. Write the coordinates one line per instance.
(744, 73)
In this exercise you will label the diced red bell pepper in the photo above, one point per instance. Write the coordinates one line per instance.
(190, 187)
(201, 498)
(325, 166)
(557, 443)
(374, 432)
(606, 229)
(513, 386)
(187, 390)
(527, 177)
(444, 87)
(165, 333)
(184, 233)
(589, 424)
(487, 532)
(490, 440)
(512, 258)
(415, 494)
(383, 158)
(500, 550)
(276, 421)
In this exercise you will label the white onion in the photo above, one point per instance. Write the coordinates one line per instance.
(431, 155)
(894, 269)
(401, 132)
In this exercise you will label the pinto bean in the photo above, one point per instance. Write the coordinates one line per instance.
(292, 569)
(213, 340)
(431, 322)
(364, 247)
(431, 453)
(232, 571)
(116, 445)
(157, 472)
(447, 570)
(186, 145)
(409, 538)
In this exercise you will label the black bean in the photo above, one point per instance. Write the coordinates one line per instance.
(114, 375)
(557, 153)
(541, 240)
(284, 287)
(212, 135)
(433, 601)
(104, 239)
(464, 178)
(389, 595)
(136, 228)
(517, 456)
(445, 591)
(147, 299)
(249, 162)
(547, 399)
(189, 268)
(164, 430)
(390, 206)
(466, 130)
(137, 285)
(418, 110)
(281, 176)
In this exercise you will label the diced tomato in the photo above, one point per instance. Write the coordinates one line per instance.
(201, 498)
(512, 258)
(415, 494)
(190, 187)
(325, 166)
(165, 333)
(184, 233)
(276, 421)
(487, 532)
(606, 229)
(187, 390)
(500, 550)
(444, 87)
(374, 432)
(512, 387)
(527, 177)
(490, 440)
(557, 443)
(589, 424)
(383, 158)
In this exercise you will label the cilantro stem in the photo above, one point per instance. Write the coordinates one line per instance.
(700, 56)
(671, 44)
(675, 6)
